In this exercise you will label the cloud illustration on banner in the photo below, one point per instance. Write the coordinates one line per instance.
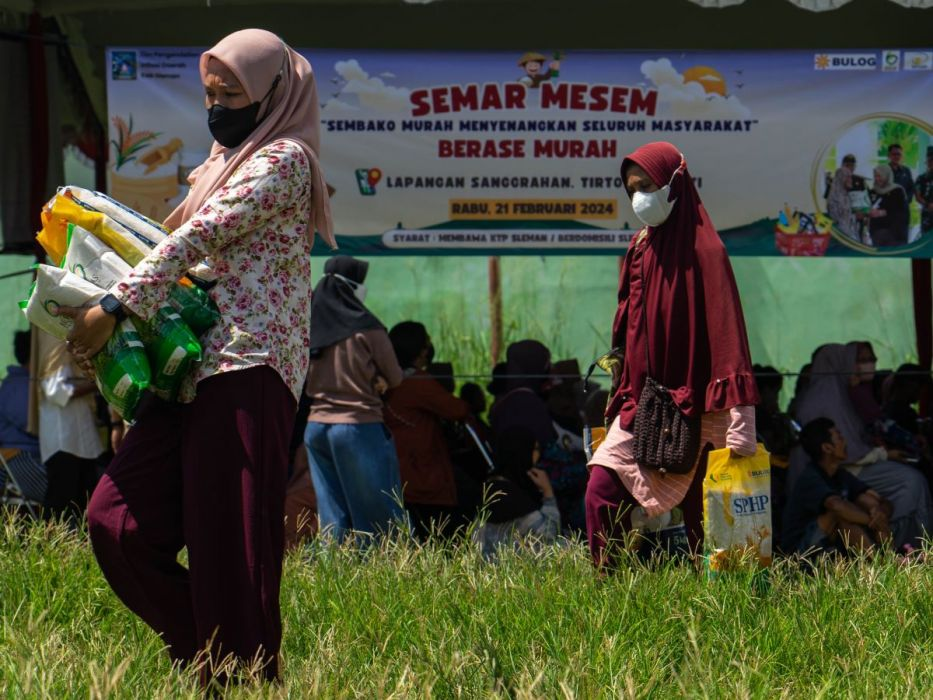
(339, 106)
(371, 92)
(699, 93)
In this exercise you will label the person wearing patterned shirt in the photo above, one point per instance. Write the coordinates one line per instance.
(209, 473)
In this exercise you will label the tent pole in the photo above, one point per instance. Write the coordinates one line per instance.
(495, 310)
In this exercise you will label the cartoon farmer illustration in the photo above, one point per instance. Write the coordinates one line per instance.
(532, 62)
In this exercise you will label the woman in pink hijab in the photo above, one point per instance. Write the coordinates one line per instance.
(209, 473)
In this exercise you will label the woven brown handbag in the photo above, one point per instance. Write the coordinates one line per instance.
(665, 438)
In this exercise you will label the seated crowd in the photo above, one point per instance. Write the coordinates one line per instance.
(388, 440)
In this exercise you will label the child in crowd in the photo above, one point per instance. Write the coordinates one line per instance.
(520, 498)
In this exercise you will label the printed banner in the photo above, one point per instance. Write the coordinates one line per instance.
(794, 153)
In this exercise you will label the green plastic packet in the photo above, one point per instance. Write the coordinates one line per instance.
(122, 370)
(172, 349)
(195, 307)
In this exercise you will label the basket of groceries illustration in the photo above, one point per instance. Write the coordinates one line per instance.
(802, 235)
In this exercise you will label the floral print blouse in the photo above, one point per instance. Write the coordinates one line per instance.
(252, 232)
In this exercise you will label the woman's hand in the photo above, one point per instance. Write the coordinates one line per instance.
(92, 329)
(540, 479)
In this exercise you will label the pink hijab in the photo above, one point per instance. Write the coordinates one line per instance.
(255, 57)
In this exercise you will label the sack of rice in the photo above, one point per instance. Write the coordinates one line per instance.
(87, 257)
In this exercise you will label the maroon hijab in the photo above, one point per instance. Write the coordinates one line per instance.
(679, 310)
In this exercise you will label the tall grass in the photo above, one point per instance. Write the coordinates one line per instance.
(408, 621)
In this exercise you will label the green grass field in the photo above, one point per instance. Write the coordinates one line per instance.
(406, 622)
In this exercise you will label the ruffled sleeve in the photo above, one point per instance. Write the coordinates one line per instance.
(737, 389)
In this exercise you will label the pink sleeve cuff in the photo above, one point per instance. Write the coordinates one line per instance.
(741, 436)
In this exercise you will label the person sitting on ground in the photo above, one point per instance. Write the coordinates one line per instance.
(907, 386)
(776, 432)
(800, 386)
(830, 510)
(522, 401)
(520, 501)
(774, 427)
(474, 395)
(524, 404)
(14, 401)
(443, 372)
(835, 370)
(439, 497)
(565, 403)
(862, 392)
(497, 386)
(466, 453)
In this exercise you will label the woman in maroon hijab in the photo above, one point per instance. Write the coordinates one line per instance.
(679, 314)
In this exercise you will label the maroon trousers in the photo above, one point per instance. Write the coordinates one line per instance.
(209, 476)
(609, 508)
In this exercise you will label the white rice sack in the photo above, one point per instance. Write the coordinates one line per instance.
(148, 231)
(87, 257)
(56, 287)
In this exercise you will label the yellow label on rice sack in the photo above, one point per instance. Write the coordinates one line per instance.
(62, 210)
(737, 510)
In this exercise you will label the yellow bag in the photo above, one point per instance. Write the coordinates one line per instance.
(737, 510)
(62, 210)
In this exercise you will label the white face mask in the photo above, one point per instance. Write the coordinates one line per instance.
(358, 288)
(652, 207)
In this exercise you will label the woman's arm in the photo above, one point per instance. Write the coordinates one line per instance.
(741, 436)
(271, 181)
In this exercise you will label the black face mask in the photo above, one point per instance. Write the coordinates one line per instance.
(230, 127)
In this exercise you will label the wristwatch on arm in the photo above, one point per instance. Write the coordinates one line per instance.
(112, 306)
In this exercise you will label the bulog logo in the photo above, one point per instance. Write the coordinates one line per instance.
(845, 61)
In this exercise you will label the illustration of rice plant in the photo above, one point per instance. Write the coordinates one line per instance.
(127, 143)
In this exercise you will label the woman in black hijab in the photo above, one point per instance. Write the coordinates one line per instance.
(337, 309)
(520, 499)
(353, 461)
